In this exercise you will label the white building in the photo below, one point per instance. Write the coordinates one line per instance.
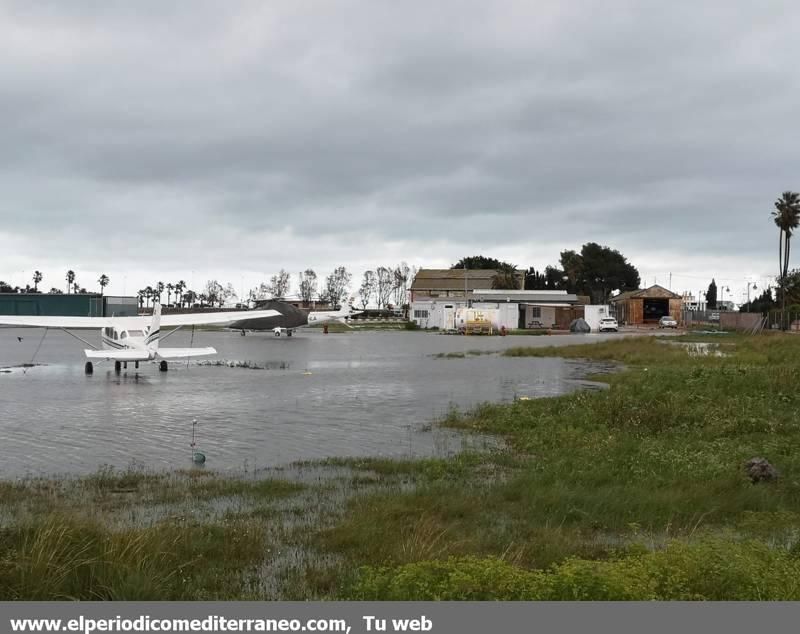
(439, 296)
(593, 314)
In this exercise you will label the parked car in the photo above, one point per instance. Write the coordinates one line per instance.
(667, 322)
(608, 323)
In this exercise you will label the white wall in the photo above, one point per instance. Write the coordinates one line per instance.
(593, 314)
(503, 313)
(506, 313)
(437, 311)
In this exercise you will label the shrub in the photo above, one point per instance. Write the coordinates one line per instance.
(711, 569)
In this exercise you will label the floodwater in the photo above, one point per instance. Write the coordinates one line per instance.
(318, 396)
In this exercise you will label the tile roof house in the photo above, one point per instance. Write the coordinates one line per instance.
(452, 283)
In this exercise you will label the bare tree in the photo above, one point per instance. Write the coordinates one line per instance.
(228, 294)
(367, 288)
(401, 273)
(261, 292)
(384, 285)
(336, 285)
(308, 286)
(214, 292)
(279, 285)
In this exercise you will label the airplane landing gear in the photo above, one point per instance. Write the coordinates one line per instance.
(242, 332)
(136, 365)
(289, 332)
(162, 366)
(117, 367)
(88, 368)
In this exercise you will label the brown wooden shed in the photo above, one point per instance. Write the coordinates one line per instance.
(646, 306)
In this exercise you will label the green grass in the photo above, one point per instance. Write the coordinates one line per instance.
(710, 569)
(136, 535)
(655, 462)
(62, 557)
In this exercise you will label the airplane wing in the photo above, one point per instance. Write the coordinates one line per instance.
(117, 355)
(73, 323)
(221, 318)
(182, 353)
(87, 323)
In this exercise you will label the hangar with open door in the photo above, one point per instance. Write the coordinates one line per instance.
(646, 306)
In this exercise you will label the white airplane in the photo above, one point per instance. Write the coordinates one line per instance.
(321, 317)
(134, 339)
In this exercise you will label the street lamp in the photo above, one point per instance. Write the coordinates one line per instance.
(749, 284)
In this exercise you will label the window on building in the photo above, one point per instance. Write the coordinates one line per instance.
(536, 312)
(420, 314)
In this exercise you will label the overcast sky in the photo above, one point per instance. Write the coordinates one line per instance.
(189, 140)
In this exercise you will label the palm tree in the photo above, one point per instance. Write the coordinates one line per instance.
(506, 278)
(141, 298)
(37, 277)
(103, 281)
(148, 293)
(787, 218)
(170, 288)
(70, 279)
(179, 287)
(159, 291)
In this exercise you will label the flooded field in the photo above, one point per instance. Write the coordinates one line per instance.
(270, 401)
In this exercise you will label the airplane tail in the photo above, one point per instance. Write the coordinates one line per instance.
(347, 310)
(154, 334)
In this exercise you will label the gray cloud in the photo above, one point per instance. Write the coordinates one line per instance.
(252, 136)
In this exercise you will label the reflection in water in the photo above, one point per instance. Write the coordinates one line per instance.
(317, 396)
(699, 348)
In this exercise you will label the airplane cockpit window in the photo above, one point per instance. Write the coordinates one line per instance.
(124, 335)
(116, 335)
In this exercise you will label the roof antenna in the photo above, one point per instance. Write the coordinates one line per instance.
(198, 457)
